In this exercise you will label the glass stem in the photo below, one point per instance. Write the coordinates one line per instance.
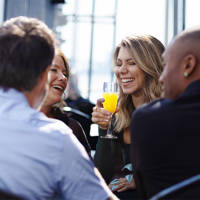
(109, 131)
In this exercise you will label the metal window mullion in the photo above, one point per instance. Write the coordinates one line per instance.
(91, 48)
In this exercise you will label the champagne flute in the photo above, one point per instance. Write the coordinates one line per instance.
(110, 95)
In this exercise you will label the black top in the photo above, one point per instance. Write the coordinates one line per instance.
(85, 106)
(74, 125)
(166, 143)
(111, 156)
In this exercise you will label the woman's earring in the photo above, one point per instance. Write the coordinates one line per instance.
(185, 74)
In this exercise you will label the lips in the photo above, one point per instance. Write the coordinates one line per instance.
(127, 80)
(59, 87)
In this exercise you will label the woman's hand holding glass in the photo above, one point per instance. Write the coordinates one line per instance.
(103, 111)
(100, 116)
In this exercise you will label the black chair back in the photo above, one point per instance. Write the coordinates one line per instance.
(186, 189)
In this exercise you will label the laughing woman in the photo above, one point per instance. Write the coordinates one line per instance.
(52, 106)
(138, 65)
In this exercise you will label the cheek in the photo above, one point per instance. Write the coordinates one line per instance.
(165, 74)
(51, 78)
(116, 71)
(140, 77)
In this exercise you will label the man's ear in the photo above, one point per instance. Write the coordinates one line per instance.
(190, 63)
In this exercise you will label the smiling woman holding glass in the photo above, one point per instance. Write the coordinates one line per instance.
(138, 65)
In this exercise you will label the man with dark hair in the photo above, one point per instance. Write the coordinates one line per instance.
(165, 133)
(39, 156)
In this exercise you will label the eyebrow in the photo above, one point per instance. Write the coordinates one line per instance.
(129, 59)
(55, 65)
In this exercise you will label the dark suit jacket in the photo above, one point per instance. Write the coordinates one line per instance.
(166, 142)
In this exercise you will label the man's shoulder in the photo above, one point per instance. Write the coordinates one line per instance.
(52, 125)
(55, 132)
(156, 106)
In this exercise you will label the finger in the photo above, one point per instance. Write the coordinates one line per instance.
(117, 109)
(120, 186)
(122, 189)
(100, 103)
(116, 188)
(100, 117)
(97, 110)
(100, 122)
(122, 180)
(101, 113)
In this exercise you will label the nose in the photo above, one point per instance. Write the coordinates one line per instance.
(61, 76)
(123, 68)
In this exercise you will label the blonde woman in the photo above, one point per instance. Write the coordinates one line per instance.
(138, 65)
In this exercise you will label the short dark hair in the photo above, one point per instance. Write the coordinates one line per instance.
(27, 48)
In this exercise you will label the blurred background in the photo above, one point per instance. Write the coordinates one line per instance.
(89, 30)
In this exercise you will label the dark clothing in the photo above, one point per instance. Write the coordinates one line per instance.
(75, 126)
(81, 104)
(165, 142)
(8, 196)
(110, 157)
(85, 106)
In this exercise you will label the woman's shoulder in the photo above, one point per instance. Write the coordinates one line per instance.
(74, 125)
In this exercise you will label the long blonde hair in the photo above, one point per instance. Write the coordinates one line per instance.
(146, 51)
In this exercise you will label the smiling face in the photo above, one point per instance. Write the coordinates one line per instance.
(57, 78)
(130, 77)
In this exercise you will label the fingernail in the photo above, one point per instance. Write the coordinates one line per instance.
(102, 100)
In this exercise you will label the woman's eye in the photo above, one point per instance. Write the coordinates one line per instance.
(131, 63)
(118, 64)
(53, 69)
(66, 76)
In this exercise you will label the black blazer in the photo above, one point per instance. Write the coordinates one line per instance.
(165, 145)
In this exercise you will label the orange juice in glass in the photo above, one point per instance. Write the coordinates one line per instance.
(110, 95)
(110, 101)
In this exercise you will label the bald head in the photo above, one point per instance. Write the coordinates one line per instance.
(188, 42)
(181, 60)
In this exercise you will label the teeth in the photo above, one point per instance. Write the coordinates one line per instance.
(58, 87)
(127, 80)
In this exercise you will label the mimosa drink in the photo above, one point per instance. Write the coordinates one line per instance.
(110, 103)
(110, 95)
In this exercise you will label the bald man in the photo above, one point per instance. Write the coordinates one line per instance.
(166, 133)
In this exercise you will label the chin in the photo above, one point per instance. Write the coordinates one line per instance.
(55, 101)
(129, 91)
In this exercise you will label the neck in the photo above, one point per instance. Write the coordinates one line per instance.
(46, 109)
(36, 96)
(33, 99)
(138, 100)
